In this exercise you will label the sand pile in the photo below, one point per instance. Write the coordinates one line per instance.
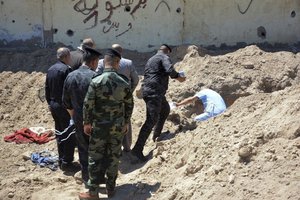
(249, 152)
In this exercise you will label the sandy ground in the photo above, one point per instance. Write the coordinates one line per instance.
(194, 160)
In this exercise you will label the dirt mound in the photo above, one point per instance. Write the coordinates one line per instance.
(249, 152)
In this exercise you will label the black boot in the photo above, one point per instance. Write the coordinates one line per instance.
(139, 155)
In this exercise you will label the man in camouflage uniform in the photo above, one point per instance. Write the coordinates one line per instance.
(75, 89)
(127, 69)
(107, 110)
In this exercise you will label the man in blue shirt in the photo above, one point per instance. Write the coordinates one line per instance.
(213, 104)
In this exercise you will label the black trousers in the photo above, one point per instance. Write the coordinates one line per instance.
(83, 147)
(62, 119)
(158, 110)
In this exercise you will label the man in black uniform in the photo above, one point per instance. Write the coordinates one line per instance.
(75, 88)
(155, 84)
(55, 78)
(77, 55)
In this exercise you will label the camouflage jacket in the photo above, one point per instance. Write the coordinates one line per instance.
(108, 100)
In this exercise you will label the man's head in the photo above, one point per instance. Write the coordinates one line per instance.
(165, 49)
(112, 59)
(88, 42)
(91, 57)
(117, 47)
(63, 54)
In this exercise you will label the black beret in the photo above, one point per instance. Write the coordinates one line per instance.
(113, 53)
(91, 51)
(167, 47)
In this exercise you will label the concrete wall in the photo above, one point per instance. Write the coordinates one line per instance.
(18, 22)
(250, 21)
(144, 24)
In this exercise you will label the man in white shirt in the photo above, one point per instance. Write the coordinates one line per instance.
(213, 104)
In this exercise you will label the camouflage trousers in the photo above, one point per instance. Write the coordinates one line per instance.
(104, 153)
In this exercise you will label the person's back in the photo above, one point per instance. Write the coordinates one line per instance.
(107, 110)
(126, 68)
(212, 101)
(76, 58)
(155, 84)
(55, 79)
(156, 75)
(77, 55)
(110, 96)
(78, 82)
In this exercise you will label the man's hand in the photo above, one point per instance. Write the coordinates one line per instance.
(180, 79)
(125, 129)
(87, 128)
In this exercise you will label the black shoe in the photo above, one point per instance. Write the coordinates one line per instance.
(69, 167)
(139, 155)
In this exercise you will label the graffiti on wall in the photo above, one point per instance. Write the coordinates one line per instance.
(92, 14)
(163, 2)
(245, 10)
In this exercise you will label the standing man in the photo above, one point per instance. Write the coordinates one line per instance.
(155, 84)
(77, 55)
(55, 78)
(127, 69)
(107, 109)
(75, 88)
(212, 102)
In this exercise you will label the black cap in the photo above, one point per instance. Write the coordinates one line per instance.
(113, 53)
(91, 51)
(167, 46)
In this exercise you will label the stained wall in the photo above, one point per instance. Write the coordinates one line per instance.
(142, 25)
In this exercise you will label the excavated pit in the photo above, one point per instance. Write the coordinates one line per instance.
(260, 88)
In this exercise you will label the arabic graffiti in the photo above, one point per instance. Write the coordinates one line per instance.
(130, 27)
(81, 7)
(85, 10)
(163, 2)
(243, 12)
(141, 2)
(114, 25)
(91, 11)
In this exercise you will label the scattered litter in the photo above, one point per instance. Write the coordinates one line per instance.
(25, 135)
(45, 159)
